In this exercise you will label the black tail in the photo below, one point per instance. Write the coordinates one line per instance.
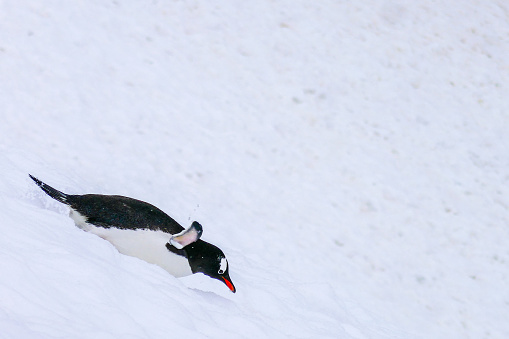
(55, 194)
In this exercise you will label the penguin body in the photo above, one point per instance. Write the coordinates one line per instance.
(148, 245)
(141, 230)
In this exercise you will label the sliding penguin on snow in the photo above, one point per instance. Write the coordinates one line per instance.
(141, 230)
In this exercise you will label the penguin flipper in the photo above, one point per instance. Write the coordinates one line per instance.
(186, 237)
(55, 194)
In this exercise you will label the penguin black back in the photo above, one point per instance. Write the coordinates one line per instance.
(123, 212)
(115, 210)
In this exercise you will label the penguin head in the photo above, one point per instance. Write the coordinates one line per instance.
(210, 260)
(203, 257)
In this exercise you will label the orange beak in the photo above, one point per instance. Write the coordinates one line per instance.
(229, 284)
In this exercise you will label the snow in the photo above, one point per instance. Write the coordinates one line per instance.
(350, 159)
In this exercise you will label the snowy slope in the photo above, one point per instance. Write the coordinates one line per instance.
(351, 160)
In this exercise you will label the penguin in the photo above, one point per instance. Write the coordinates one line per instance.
(139, 229)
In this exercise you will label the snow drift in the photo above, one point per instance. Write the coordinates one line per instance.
(349, 159)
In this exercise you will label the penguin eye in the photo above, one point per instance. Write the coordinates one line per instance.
(223, 266)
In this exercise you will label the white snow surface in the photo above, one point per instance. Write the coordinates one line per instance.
(350, 158)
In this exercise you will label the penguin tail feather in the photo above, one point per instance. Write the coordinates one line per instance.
(55, 194)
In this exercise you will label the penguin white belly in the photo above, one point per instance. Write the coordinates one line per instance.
(145, 244)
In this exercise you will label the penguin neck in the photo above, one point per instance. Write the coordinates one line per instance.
(197, 252)
(194, 249)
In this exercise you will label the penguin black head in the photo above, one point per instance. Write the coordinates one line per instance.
(209, 260)
(203, 257)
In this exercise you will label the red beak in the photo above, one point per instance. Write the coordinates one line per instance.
(229, 284)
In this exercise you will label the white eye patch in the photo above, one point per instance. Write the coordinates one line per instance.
(223, 266)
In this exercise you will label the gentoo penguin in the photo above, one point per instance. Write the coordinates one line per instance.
(141, 230)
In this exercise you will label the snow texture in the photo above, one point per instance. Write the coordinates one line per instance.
(350, 158)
